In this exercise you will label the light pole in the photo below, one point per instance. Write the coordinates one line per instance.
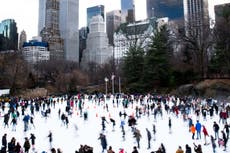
(119, 85)
(106, 80)
(112, 78)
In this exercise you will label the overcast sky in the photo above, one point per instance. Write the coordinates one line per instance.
(25, 12)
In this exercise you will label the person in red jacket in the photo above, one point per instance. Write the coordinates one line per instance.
(205, 134)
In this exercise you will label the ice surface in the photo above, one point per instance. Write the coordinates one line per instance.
(87, 132)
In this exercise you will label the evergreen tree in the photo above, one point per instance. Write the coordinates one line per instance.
(157, 70)
(133, 67)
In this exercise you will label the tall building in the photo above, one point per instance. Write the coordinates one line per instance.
(113, 21)
(51, 33)
(128, 11)
(94, 11)
(83, 32)
(22, 39)
(69, 23)
(35, 51)
(132, 33)
(196, 16)
(8, 30)
(172, 9)
(98, 50)
(41, 15)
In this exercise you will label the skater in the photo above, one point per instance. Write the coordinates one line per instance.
(188, 149)
(4, 143)
(32, 137)
(32, 122)
(102, 137)
(135, 150)
(50, 136)
(154, 132)
(216, 130)
(137, 136)
(123, 129)
(149, 138)
(193, 130)
(198, 130)
(110, 150)
(205, 135)
(18, 148)
(226, 128)
(213, 144)
(26, 145)
(224, 137)
(179, 150)
(170, 125)
(113, 122)
(198, 148)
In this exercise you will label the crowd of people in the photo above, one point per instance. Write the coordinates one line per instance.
(153, 106)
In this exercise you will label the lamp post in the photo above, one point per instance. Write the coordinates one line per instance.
(106, 80)
(112, 78)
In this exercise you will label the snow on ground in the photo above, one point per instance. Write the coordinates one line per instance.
(69, 139)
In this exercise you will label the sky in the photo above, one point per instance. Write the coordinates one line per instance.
(25, 12)
(87, 132)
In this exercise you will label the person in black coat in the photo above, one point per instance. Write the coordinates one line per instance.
(26, 145)
(4, 140)
(102, 137)
(149, 137)
(11, 145)
(135, 150)
(188, 149)
(225, 140)
(32, 137)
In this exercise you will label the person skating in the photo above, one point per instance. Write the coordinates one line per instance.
(170, 125)
(188, 149)
(149, 137)
(102, 137)
(135, 150)
(213, 144)
(154, 132)
(198, 148)
(18, 148)
(26, 145)
(205, 135)
(198, 130)
(32, 137)
(193, 130)
(224, 137)
(50, 136)
(110, 150)
(216, 130)
(179, 150)
(4, 143)
(137, 136)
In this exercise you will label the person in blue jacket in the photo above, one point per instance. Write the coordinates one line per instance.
(198, 129)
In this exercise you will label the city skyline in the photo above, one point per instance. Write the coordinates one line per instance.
(25, 12)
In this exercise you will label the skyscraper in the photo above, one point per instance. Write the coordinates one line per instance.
(8, 29)
(22, 39)
(41, 15)
(97, 48)
(128, 10)
(172, 9)
(51, 33)
(69, 23)
(94, 11)
(113, 21)
(195, 16)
